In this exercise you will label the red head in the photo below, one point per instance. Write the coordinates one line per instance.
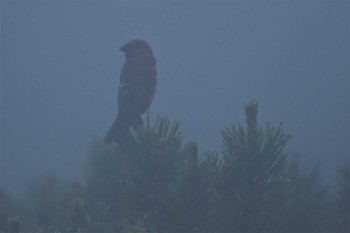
(137, 50)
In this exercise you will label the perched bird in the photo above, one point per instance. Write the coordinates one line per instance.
(138, 80)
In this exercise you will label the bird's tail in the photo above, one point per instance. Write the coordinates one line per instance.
(117, 133)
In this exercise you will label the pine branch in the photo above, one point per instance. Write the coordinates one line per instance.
(252, 184)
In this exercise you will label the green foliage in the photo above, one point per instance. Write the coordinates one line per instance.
(156, 183)
(104, 165)
(40, 206)
(5, 210)
(166, 181)
(152, 155)
(192, 191)
(308, 208)
(47, 201)
(251, 189)
(344, 197)
(81, 218)
(142, 225)
(14, 225)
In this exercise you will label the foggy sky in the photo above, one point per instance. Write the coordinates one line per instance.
(60, 68)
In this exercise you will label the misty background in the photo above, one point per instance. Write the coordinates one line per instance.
(60, 68)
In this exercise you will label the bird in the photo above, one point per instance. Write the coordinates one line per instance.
(137, 86)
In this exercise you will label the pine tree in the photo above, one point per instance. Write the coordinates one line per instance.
(251, 189)
(6, 210)
(47, 201)
(105, 166)
(151, 158)
(167, 184)
(192, 192)
(80, 217)
(344, 197)
(308, 208)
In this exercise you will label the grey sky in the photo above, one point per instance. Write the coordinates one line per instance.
(60, 67)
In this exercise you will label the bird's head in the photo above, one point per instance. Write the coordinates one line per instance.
(137, 49)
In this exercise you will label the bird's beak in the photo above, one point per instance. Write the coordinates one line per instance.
(124, 48)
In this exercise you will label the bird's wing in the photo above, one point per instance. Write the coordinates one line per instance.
(136, 89)
(135, 93)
